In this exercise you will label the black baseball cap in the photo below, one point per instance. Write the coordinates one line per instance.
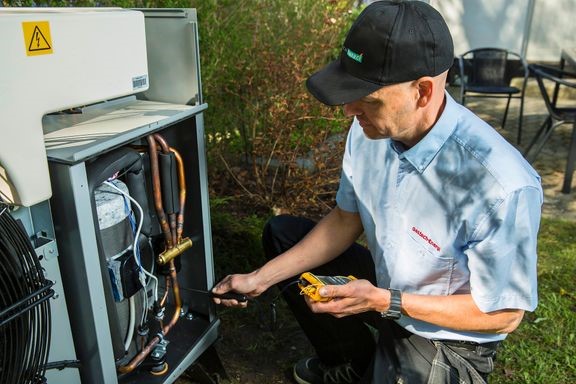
(390, 42)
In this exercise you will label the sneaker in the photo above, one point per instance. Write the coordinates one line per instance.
(312, 371)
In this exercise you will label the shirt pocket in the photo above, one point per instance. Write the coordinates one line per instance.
(421, 266)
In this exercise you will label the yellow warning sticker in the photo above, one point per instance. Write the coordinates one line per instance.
(37, 37)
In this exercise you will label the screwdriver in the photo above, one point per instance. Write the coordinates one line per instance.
(224, 296)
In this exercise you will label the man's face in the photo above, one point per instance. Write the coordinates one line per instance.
(390, 112)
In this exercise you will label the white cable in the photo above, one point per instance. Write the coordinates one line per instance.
(145, 309)
(131, 325)
(136, 236)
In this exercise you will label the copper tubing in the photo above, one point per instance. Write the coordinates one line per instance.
(140, 356)
(182, 195)
(173, 220)
(177, 299)
(170, 243)
(136, 360)
(163, 144)
(165, 296)
(158, 192)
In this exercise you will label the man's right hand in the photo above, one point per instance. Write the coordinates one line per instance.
(246, 284)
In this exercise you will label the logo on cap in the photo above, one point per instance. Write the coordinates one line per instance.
(353, 55)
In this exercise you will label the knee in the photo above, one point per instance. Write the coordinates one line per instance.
(282, 232)
(276, 225)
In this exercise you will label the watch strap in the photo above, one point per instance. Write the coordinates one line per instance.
(395, 309)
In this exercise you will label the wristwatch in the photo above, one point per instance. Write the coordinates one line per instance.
(395, 310)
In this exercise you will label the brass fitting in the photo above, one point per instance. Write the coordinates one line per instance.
(171, 253)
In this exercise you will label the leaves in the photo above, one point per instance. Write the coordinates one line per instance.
(259, 92)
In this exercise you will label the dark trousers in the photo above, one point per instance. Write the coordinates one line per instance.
(335, 340)
(397, 353)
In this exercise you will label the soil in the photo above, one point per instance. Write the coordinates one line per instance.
(253, 354)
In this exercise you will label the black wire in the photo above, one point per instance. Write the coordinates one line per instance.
(25, 324)
(273, 314)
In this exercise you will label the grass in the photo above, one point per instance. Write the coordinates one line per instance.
(541, 350)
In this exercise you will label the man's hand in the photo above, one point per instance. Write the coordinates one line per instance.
(354, 297)
(246, 284)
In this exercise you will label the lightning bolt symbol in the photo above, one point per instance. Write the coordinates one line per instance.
(37, 39)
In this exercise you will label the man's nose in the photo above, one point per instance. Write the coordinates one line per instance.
(350, 110)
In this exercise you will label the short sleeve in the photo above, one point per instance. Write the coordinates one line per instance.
(346, 197)
(503, 258)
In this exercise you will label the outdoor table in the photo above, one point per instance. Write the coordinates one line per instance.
(568, 56)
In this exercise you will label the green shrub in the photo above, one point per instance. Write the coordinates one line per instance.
(268, 138)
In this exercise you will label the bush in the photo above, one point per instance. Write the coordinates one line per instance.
(268, 139)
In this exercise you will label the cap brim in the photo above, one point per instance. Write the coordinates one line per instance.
(334, 86)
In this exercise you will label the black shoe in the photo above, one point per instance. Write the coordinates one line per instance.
(312, 371)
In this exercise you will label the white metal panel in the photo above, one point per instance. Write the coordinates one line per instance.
(96, 54)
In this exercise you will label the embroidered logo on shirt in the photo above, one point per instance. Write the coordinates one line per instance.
(426, 238)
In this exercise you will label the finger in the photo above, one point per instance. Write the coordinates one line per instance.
(233, 303)
(330, 291)
(223, 286)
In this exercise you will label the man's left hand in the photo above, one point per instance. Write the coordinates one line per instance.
(354, 297)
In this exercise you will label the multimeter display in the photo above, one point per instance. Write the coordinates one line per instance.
(310, 283)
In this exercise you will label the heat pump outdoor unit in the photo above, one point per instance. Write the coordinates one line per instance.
(103, 190)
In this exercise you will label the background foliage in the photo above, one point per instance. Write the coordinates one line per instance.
(269, 141)
(272, 148)
(267, 136)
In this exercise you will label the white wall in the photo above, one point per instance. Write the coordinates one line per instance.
(538, 29)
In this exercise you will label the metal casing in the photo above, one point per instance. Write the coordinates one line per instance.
(54, 59)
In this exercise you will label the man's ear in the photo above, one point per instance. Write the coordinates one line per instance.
(425, 86)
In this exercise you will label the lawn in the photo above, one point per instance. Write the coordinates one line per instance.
(542, 350)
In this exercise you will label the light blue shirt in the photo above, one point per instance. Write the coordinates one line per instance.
(457, 213)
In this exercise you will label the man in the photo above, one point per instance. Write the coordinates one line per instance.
(450, 212)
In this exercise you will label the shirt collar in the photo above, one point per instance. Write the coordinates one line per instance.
(426, 149)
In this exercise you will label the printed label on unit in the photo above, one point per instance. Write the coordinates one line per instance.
(37, 37)
(140, 82)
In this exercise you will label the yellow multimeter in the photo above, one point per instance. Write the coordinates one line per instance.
(310, 283)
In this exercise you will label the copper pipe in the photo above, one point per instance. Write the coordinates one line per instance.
(177, 299)
(136, 360)
(173, 279)
(163, 144)
(173, 221)
(165, 296)
(182, 195)
(158, 192)
(173, 228)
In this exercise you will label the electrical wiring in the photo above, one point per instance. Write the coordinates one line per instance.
(136, 237)
(136, 253)
(132, 322)
(172, 236)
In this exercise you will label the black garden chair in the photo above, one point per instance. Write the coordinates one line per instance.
(488, 72)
